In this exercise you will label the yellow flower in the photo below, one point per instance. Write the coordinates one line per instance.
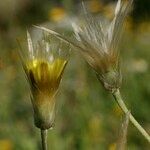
(44, 67)
(112, 146)
(45, 76)
(6, 144)
(95, 6)
(57, 14)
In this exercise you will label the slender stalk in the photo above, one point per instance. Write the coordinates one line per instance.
(122, 105)
(122, 139)
(44, 139)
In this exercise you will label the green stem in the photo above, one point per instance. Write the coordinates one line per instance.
(44, 139)
(122, 105)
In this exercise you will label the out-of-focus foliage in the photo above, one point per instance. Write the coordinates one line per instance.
(87, 117)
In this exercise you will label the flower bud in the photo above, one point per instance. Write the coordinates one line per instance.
(44, 65)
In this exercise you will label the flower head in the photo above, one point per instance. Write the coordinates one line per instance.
(97, 40)
(44, 65)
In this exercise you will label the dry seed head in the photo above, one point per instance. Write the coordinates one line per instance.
(98, 39)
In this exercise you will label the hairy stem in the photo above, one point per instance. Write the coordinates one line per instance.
(44, 139)
(122, 105)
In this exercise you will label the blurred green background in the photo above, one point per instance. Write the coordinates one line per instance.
(87, 116)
